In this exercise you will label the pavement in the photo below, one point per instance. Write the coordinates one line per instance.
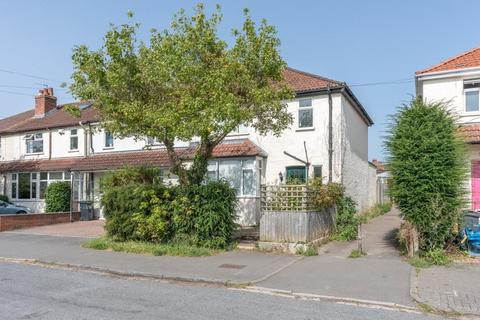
(450, 289)
(33, 292)
(234, 267)
(380, 277)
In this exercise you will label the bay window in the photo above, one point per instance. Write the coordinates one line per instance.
(32, 185)
(240, 173)
(34, 143)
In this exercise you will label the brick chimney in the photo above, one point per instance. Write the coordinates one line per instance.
(45, 101)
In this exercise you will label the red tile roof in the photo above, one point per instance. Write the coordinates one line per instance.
(116, 160)
(300, 81)
(469, 59)
(470, 133)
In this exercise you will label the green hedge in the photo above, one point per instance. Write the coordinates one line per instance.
(4, 198)
(138, 206)
(57, 197)
(428, 164)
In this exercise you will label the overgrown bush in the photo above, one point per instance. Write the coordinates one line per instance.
(58, 197)
(346, 226)
(141, 208)
(428, 167)
(205, 212)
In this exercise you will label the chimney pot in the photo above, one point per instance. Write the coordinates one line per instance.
(45, 102)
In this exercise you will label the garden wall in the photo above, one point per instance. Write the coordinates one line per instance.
(21, 221)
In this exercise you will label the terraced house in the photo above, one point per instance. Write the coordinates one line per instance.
(328, 139)
(456, 81)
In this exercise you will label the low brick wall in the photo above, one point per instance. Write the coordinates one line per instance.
(21, 221)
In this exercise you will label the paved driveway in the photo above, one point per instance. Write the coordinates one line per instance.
(83, 229)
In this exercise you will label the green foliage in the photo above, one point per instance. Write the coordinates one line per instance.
(377, 210)
(428, 166)
(4, 198)
(157, 249)
(205, 212)
(346, 226)
(356, 254)
(58, 197)
(326, 195)
(435, 257)
(139, 208)
(186, 82)
(308, 251)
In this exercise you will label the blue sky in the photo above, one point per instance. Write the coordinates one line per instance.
(358, 42)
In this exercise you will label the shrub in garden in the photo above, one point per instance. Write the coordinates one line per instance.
(428, 167)
(205, 212)
(4, 198)
(142, 208)
(58, 197)
(346, 225)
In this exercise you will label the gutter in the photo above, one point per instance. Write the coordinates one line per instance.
(344, 89)
(49, 143)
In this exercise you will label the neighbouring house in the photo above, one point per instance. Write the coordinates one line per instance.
(46, 144)
(456, 81)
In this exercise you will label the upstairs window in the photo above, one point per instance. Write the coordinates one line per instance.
(471, 90)
(151, 141)
(305, 113)
(34, 143)
(108, 140)
(73, 139)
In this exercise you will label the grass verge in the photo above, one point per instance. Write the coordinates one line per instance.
(308, 252)
(378, 210)
(356, 254)
(436, 257)
(155, 249)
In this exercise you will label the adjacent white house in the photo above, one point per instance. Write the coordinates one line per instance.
(328, 139)
(456, 81)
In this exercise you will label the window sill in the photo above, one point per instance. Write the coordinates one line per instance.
(238, 134)
(108, 148)
(305, 129)
(34, 154)
(73, 151)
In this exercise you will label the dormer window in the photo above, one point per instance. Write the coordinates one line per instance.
(305, 113)
(471, 91)
(34, 143)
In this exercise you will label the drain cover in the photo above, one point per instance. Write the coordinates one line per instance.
(232, 266)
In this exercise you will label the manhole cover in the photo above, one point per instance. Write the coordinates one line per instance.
(231, 266)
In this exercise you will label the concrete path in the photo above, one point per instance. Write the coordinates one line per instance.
(233, 267)
(382, 275)
(83, 229)
(455, 288)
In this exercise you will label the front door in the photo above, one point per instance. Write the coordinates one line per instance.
(475, 185)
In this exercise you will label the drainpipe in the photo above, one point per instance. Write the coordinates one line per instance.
(330, 135)
(85, 140)
(49, 143)
(92, 150)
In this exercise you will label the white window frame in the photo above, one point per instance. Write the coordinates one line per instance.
(106, 133)
(300, 109)
(35, 181)
(32, 137)
(254, 168)
(465, 100)
(153, 142)
(74, 136)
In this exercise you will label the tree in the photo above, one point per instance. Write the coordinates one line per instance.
(186, 84)
(427, 161)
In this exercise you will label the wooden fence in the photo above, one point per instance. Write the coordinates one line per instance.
(287, 198)
(289, 215)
